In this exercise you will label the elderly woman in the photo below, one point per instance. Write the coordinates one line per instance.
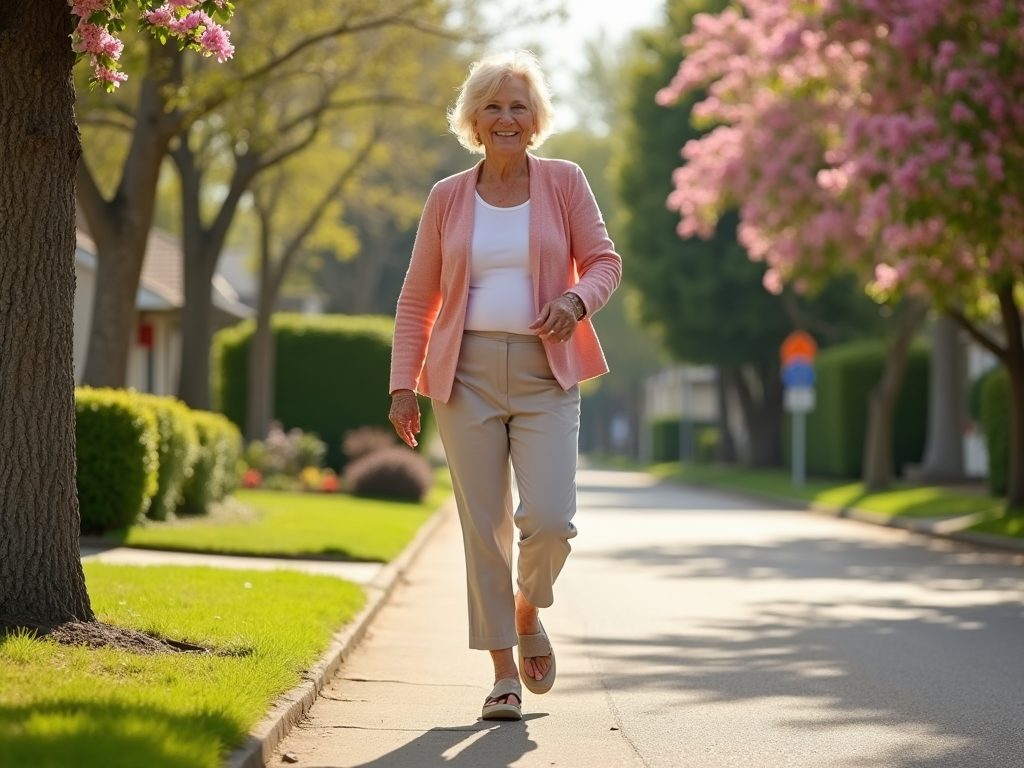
(511, 261)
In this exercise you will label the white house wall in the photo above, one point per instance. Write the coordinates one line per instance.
(84, 291)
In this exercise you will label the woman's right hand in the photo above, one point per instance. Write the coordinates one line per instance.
(405, 415)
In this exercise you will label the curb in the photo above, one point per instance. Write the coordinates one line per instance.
(948, 528)
(292, 706)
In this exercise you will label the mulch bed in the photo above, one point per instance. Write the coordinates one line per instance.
(96, 634)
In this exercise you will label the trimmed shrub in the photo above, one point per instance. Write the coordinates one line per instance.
(215, 473)
(665, 439)
(837, 428)
(974, 393)
(331, 374)
(394, 473)
(117, 450)
(995, 421)
(179, 450)
(363, 441)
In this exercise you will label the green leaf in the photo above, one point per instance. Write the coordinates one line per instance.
(98, 17)
(116, 25)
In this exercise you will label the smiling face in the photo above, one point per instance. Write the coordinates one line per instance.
(505, 124)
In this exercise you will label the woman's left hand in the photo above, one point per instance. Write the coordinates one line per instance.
(556, 321)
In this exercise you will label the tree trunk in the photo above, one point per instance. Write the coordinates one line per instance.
(726, 451)
(877, 470)
(259, 407)
(944, 450)
(762, 412)
(1014, 362)
(201, 247)
(120, 226)
(41, 577)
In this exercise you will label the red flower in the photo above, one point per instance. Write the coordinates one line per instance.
(252, 478)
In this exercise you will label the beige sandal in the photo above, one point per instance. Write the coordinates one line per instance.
(496, 709)
(532, 646)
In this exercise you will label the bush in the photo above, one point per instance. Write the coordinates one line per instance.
(117, 449)
(363, 441)
(995, 421)
(285, 453)
(974, 394)
(215, 473)
(178, 448)
(394, 473)
(331, 374)
(837, 428)
(665, 439)
(707, 444)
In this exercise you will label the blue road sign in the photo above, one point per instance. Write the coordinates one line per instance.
(798, 373)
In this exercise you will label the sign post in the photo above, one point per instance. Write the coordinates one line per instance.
(798, 376)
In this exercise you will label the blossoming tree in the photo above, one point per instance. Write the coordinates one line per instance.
(878, 136)
(41, 580)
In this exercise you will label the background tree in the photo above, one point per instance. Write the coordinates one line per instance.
(705, 298)
(881, 138)
(287, 40)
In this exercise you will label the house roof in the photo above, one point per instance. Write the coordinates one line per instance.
(162, 282)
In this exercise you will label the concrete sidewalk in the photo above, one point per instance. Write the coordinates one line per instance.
(410, 695)
(360, 573)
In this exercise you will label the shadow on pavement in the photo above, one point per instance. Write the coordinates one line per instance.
(876, 634)
(490, 744)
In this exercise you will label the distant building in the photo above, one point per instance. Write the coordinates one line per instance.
(154, 358)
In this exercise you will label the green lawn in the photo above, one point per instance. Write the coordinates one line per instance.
(901, 500)
(105, 708)
(296, 524)
(1011, 525)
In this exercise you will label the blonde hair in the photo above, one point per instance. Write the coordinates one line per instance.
(485, 77)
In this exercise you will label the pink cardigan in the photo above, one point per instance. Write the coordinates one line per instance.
(569, 248)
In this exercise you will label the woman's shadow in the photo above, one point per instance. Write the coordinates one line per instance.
(478, 745)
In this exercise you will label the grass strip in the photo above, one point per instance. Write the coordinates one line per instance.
(297, 524)
(901, 500)
(106, 708)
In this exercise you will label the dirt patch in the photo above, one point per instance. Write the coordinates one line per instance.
(96, 634)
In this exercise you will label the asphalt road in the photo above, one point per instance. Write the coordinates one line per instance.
(695, 629)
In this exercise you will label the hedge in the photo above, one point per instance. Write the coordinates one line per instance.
(665, 440)
(117, 449)
(331, 375)
(178, 452)
(837, 428)
(215, 472)
(995, 421)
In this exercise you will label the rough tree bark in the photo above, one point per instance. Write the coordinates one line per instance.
(41, 579)
(877, 469)
(120, 226)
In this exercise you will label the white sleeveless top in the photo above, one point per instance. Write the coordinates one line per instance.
(500, 282)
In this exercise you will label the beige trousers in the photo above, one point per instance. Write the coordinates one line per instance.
(505, 405)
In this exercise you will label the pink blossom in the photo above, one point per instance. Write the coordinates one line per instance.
(960, 113)
(83, 9)
(216, 41)
(97, 41)
(105, 75)
(772, 282)
(160, 17)
(886, 277)
(183, 26)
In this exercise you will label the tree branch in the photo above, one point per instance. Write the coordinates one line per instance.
(292, 248)
(977, 334)
(91, 202)
(343, 29)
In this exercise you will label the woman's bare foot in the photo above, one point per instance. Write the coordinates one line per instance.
(534, 667)
(504, 668)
